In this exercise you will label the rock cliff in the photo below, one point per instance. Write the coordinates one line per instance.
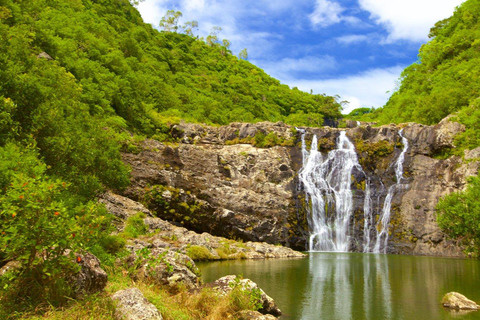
(215, 180)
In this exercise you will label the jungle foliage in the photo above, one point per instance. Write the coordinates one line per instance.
(77, 79)
(445, 78)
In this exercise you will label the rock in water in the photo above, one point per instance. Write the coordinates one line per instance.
(456, 300)
(132, 305)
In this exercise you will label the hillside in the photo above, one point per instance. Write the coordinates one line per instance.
(73, 74)
(445, 78)
(80, 81)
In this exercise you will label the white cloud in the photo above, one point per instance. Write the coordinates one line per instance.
(368, 89)
(153, 11)
(409, 19)
(284, 68)
(352, 38)
(223, 13)
(326, 13)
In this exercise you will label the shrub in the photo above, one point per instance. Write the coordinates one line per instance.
(458, 215)
(135, 226)
(199, 253)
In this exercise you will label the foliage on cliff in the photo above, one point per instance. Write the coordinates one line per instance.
(445, 78)
(458, 214)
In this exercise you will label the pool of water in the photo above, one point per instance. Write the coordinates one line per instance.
(341, 286)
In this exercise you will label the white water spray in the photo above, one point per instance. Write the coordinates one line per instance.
(327, 183)
(384, 221)
(368, 217)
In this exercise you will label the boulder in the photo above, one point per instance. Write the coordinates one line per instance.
(122, 207)
(226, 284)
(165, 267)
(455, 300)
(10, 266)
(91, 278)
(132, 305)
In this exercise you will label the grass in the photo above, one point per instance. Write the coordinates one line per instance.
(182, 304)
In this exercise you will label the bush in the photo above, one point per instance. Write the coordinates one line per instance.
(199, 253)
(458, 214)
(135, 226)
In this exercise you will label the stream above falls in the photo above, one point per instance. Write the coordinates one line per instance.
(341, 286)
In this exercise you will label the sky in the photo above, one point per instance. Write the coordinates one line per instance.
(355, 49)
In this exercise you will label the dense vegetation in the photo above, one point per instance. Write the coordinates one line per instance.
(78, 79)
(445, 78)
(459, 216)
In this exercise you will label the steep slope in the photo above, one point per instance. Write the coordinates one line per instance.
(445, 78)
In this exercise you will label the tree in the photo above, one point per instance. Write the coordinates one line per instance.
(169, 22)
(243, 54)
(212, 38)
(188, 26)
(225, 47)
(136, 2)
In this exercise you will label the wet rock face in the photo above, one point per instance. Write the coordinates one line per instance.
(426, 178)
(239, 191)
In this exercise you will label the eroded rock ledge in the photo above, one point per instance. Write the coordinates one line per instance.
(164, 235)
(213, 181)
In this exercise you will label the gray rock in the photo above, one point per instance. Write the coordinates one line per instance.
(122, 207)
(44, 55)
(91, 278)
(455, 300)
(132, 305)
(252, 193)
(226, 284)
(10, 266)
(167, 268)
(253, 315)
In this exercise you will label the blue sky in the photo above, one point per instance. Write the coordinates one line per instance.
(352, 48)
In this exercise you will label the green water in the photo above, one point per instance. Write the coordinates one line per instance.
(344, 286)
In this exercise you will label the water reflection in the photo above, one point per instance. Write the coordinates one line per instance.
(340, 286)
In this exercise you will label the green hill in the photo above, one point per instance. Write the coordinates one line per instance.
(81, 79)
(73, 74)
(445, 78)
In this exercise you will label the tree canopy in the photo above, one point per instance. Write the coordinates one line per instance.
(445, 78)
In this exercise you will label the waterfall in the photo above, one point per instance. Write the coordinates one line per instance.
(384, 221)
(368, 217)
(327, 184)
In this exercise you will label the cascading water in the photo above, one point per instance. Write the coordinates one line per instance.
(384, 221)
(326, 183)
(368, 217)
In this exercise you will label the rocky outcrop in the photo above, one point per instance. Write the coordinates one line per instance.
(132, 305)
(235, 191)
(455, 300)
(228, 283)
(165, 235)
(214, 180)
(163, 267)
(91, 278)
